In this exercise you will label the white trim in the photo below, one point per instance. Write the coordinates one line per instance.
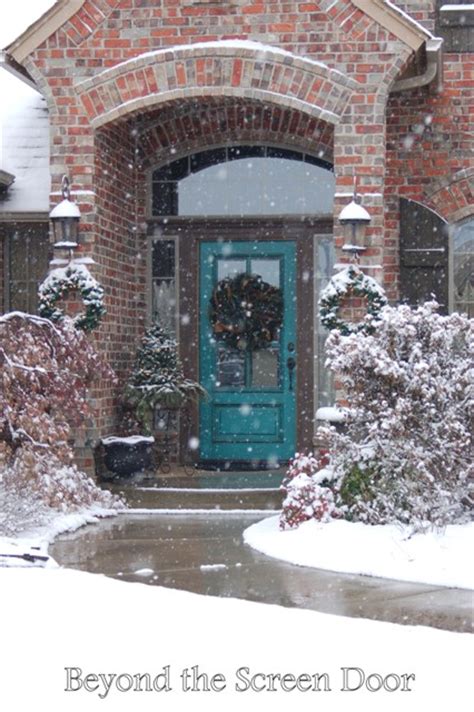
(43, 28)
(395, 21)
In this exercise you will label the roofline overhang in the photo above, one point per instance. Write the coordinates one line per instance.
(10, 65)
(6, 179)
(395, 21)
(44, 27)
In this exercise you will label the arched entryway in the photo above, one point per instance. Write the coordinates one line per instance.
(264, 212)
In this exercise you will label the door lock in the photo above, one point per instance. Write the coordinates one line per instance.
(291, 365)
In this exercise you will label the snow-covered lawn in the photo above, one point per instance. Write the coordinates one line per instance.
(58, 619)
(443, 559)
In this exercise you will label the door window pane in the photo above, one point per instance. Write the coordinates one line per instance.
(265, 368)
(230, 268)
(268, 269)
(230, 367)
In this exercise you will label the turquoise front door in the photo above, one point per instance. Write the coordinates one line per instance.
(250, 415)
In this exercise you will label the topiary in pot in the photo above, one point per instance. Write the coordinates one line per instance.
(157, 379)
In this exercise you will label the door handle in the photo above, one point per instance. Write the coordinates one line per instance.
(291, 365)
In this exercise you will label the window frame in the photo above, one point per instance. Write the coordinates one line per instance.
(7, 231)
(254, 149)
(452, 233)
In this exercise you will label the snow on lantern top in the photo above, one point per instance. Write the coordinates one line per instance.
(354, 213)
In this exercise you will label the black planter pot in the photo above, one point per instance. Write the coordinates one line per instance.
(124, 456)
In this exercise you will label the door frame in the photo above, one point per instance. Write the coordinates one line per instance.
(304, 231)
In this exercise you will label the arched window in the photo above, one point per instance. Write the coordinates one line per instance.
(244, 180)
(463, 268)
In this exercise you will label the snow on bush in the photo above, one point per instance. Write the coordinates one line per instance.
(157, 379)
(308, 495)
(46, 370)
(406, 452)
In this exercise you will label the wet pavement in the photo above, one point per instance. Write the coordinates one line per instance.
(205, 553)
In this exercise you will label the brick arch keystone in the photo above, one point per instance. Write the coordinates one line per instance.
(232, 68)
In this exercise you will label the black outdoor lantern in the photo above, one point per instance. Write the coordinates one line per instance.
(356, 216)
(65, 218)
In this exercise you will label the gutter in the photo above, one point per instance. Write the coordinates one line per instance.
(6, 180)
(433, 70)
(10, 65)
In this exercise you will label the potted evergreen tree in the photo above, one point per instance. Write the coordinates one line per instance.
(154, 392)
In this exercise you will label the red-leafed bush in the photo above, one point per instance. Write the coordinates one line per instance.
(46, 370)
(308, 492)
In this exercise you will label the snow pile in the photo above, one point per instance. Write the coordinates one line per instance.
(24, 553)
(438, 558)
(88, 624)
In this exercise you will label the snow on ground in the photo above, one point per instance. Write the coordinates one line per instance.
(61, 622)
(48, 524)
(441, 559)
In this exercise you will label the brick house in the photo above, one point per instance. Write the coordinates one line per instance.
(206, 138)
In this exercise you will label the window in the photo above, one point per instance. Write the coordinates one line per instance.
(463, 268)
(26, 265)
(163, 278)
(244, 180)
(455, 23)
(324, 269)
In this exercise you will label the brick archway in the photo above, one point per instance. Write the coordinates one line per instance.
(453, 197)
(233, 68)
(183, 128)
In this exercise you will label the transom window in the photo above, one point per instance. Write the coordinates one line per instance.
(244, 180)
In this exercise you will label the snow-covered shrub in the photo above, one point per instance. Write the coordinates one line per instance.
(307, 492)
(157, 379)
(406, 453)
(60, 486)
(46, 370)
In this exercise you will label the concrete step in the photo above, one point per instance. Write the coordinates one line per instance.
(201, 490)
(156, 497)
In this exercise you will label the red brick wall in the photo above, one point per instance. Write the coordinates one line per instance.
(430, 144)
(108, 164)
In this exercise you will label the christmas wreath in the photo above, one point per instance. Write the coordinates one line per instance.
(246, 312)
(350, 281)
(63, 280)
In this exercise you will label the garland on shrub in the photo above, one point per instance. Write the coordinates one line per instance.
(246, 312)
(350, 281)
(63, 280)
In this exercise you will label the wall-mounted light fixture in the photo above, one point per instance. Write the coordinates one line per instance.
(356, 216)
(65, 218)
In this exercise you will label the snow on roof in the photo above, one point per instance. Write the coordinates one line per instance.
(457, 8)
(24, 146)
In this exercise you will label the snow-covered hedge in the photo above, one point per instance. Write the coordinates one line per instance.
(406, 453)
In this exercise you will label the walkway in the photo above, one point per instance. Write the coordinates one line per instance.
(204, 553)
